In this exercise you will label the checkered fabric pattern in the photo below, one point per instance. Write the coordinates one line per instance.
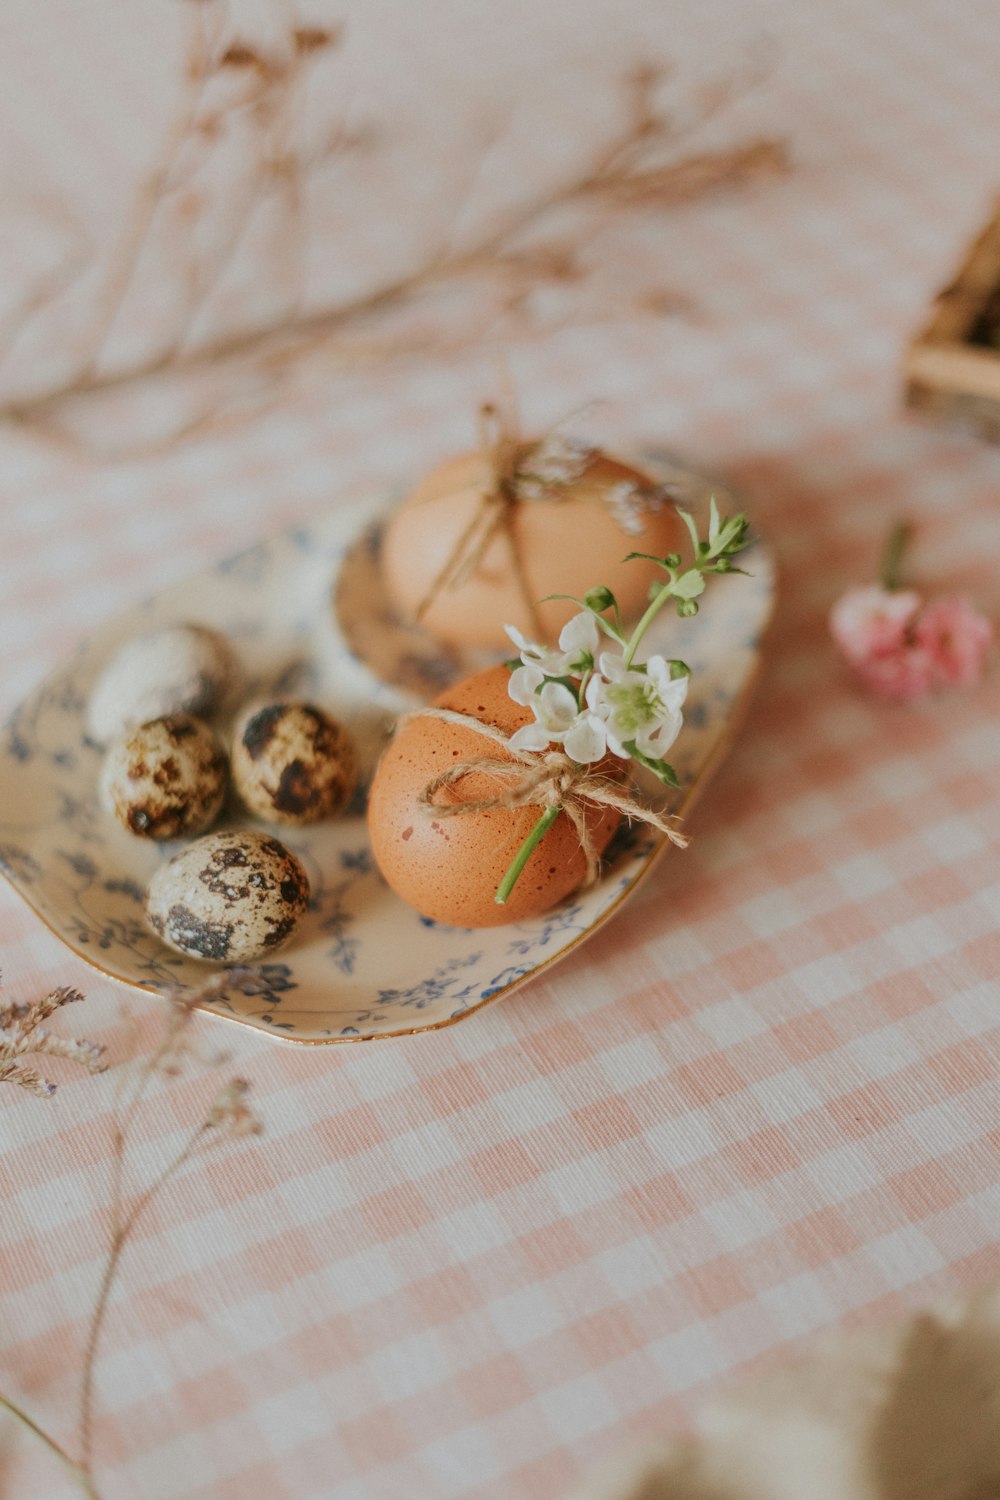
(762, 1101)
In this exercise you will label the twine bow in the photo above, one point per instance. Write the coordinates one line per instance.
(548, 779)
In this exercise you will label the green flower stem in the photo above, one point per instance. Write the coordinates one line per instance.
(79, 1474)
(647, 620)
(892, 557)
(525, 852)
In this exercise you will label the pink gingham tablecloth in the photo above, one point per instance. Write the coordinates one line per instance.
(762, 1101)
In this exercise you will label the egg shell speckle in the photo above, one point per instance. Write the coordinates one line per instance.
(166, 779)
(567, 545)
(229, 897)
(293, 763)
(181, 669)
(449, 868)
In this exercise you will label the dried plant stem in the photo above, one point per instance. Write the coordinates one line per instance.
(228, 1118)
(119, 1240)
(147, 203)
(77, 1471)
(277, 341)
(122, 1228)
(122, 1224)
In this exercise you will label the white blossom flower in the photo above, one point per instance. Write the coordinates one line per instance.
(578, 643)
(559, 719)
(586, 740)
(623, 704)
(524, 684)
(643, 708)
(554, 706)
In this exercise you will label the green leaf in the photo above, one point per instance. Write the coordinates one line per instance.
(713, 521)
(678, 668)
(689, 585)
(729, 537)
(572, 599)
(688, 520)
(661, 769)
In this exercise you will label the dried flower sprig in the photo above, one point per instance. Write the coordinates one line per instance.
(23, 1034)
(902, 647)
(242, 108)
(227, 1118)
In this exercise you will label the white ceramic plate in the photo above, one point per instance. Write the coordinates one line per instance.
(363, 964)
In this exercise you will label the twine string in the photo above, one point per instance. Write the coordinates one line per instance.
(548, 779)
(505, 456)
(500, 446)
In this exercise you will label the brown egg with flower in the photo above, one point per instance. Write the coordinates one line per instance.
(448, 865)
(483, 538)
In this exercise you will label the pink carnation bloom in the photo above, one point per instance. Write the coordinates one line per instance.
(903, 651)
(956, 639)
(872, 622)
(906, 673)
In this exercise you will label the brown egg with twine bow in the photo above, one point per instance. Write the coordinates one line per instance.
(488, 533)
(450, 807)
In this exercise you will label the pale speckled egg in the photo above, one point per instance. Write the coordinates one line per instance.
(229, 897)
(449, 868)
(180, 669)
(166, 779)
(566, 545)
(293, 763)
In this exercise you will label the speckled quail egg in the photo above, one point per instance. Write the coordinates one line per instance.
(181, 669)
(230, 897)
(292, 763)
(166, 779)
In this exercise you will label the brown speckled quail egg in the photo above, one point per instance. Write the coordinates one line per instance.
(292, 763)
(181, 669)
(166, 779)
(230, 897)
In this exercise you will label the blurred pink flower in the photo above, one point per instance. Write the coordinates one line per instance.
(872, 622)
(903, 674)
(903, 649)
(956, 638)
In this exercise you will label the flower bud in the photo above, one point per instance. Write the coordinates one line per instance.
(687, 607)
(599, 599)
